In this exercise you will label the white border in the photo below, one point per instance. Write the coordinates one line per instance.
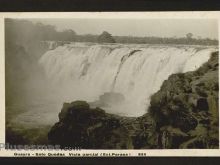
(105, 15)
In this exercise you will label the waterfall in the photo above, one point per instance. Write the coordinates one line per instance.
(84, 71)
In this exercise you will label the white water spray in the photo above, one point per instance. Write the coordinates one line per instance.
(86, 71)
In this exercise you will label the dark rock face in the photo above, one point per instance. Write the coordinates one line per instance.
(182, 114)
(80, 126)
(188, 103)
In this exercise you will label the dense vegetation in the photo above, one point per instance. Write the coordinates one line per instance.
(25, 31)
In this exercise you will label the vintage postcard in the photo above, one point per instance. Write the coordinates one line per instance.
(109, 84)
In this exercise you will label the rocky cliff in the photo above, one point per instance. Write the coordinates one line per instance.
(185, 109)
(81, 126)
(182, 114)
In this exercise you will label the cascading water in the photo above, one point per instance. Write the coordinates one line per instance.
(84, 71)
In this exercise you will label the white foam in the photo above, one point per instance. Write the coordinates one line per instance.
(86, 71)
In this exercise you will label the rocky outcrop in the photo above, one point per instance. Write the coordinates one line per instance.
(182, 114)
(185, 109)
(81, 126)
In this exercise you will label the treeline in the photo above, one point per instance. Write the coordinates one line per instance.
(25, 31)
(159, 40)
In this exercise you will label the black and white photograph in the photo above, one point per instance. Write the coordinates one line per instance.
(112, 83)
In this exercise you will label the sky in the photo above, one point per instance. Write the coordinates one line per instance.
(204, 28)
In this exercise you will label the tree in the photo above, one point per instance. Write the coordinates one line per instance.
(106, 37)
(189, 35)
(67, 35)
